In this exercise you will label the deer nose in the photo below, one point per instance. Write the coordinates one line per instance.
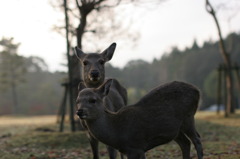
(79, 112)
(94, 73)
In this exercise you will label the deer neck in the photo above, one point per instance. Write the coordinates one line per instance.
(104, 129)
(93, 84)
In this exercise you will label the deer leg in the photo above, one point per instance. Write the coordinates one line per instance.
(122, 156)
(136, 154)
(193, 135)
(94, 146)
(195, 138)
(112, 152)
(184, 144)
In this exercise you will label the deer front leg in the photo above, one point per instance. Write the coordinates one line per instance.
(94, 146)
(136, 154)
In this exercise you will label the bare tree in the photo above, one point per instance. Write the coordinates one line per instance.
(78, 22)
(226, 59)
(84, 8)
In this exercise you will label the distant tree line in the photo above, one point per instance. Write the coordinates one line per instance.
(40, 92)
(26, 85)
(196, 64)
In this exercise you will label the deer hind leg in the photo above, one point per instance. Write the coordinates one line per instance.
(184, 144)
(122, 156)
(193, 135)
(112, 152)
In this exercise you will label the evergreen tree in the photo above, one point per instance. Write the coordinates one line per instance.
(11, 69)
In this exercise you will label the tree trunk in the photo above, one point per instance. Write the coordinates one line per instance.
(14, 96)
(13, 88)
(81, 29)
(71, 97)
(227, 62)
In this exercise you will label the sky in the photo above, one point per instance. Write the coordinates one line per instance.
(162, 26)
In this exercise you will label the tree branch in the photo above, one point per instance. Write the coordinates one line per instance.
(73, 13)
(98, 2)
(90, 31)
(209, 8)
(108, 6)
(211, 11)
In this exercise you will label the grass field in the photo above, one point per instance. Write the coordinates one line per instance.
(38, 138)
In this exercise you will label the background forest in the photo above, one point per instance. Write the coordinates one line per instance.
(41, 90)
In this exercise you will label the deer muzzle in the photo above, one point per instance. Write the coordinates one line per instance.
(81, 113)
(94, 75)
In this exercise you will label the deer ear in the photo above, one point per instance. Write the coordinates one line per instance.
(108, 53)
(105, 88)
(79, 53)
(81, 86)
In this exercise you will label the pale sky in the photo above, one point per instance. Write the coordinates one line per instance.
(172, 23)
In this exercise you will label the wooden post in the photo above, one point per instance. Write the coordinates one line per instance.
(237, 75)
(233, 106)
(237, 72)
(225, 91)
(63, 107)
(219, 88)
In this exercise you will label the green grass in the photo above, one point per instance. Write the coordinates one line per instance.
(20, 140)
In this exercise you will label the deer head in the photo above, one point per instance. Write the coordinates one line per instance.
(93, 70)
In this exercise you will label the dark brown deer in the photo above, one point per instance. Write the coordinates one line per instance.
(93, 73)
(166, 113)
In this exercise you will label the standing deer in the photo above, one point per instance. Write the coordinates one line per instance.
(166, 113)
(93, 73)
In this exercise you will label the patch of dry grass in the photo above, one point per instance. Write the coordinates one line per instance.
(19, 139)
(20, 124)
(213, 117)
(23, 120)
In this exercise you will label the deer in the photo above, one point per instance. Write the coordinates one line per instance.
(164, 114)
(93, 73)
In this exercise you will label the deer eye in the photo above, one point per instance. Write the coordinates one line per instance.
(92, 101)
(101, 62)
(85, 63)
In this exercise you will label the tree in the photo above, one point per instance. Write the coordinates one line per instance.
(12, 68)
(35, 64)
(83, 17)
(84, 7)
(227, 62)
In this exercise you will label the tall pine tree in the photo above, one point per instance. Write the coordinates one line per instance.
(12, 69)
